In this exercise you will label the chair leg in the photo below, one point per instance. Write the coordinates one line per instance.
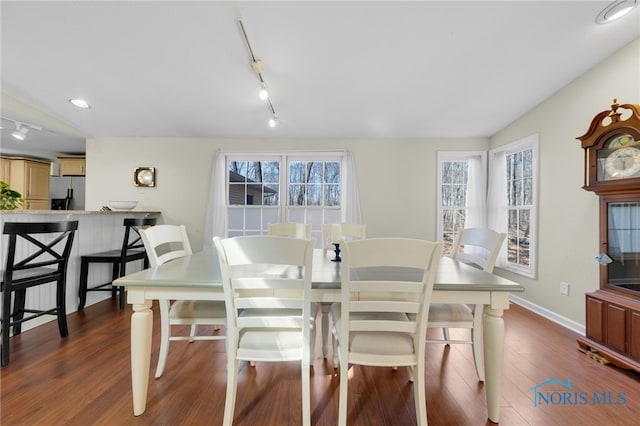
(232, 386)
(306, 394)
(19, 298)
(6, 322)
(193, 332)
(165, 329)
(61, 304)
(335, 353)
(325, 327)
(344, 382)
(420, 394)
(82, 290)
(115, 275)
(445, 333)
(478, 359)
(476, 338)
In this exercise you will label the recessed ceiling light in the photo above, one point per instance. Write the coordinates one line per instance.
(616, 10)
(80, 103)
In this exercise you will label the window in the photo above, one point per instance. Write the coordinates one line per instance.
(513, 203)
(264, 189)
(461, 193)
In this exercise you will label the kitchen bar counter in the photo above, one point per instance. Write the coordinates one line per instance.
(97, 231)
(77, 212)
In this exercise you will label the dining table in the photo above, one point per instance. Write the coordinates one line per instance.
(197, 277)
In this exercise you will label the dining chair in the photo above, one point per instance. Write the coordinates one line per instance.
(479, 247)
(131, 250)
(290, 229)
(381, 320)
(303, 231)
(164, 243)
(332, 233)
(37, 253)
(267, 289)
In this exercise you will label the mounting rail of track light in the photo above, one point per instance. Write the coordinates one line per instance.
(20, 132)
(258, 68)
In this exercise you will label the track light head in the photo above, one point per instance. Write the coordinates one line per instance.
(21, 132)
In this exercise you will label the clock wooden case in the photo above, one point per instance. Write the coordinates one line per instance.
(612, 171)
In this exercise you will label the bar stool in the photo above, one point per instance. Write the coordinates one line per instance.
(132, 249)
(44, 259)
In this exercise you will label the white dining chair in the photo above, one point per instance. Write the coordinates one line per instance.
(333, 233)
(165, 243)
(290, 229)
(381, 319)
(479, 247)
(267, 289)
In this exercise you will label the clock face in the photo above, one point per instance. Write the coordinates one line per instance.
(619, 158)
(622, 163)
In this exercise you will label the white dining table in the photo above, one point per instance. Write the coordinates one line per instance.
(197, 277)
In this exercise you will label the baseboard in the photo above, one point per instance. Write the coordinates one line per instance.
(550, 315)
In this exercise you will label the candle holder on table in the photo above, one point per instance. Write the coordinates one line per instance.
(336, 250)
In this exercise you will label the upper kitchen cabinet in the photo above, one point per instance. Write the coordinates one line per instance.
(72, 166)
(31, 179)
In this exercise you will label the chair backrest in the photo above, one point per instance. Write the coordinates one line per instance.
(268, 279)
(392, 277)
(132, 242)
(45, 257)
(481, 247)
(291, 229)
(165, 242)
(334, 232)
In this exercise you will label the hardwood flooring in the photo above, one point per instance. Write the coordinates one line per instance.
(85, 380)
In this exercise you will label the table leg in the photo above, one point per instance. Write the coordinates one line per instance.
(493, 326)
(141, 328)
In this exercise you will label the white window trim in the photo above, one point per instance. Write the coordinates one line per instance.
(496, 210)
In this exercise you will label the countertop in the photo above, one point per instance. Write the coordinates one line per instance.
(78, 212)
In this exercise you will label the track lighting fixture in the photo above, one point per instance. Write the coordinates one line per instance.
(21, 132)
(258, 68)
(263, 94)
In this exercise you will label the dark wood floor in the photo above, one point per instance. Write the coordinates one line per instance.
(85, 380)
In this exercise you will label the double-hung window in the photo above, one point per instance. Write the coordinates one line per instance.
(513, 203)
(461, 193)
(294, 187)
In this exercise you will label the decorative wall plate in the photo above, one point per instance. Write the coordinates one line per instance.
(144, 176)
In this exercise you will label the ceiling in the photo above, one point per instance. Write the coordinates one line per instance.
(335, 69)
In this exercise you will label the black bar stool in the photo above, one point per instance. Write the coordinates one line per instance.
(132, 249)
(45, 261)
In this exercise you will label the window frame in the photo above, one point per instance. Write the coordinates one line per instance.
(284, 212)
(497, 212)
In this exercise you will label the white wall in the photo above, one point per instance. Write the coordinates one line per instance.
(568, 215)
(397, 179)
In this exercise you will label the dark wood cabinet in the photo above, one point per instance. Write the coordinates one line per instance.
(612, 172)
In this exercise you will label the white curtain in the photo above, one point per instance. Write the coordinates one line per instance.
(476, 193)
(216, 222)
(497, 199)
(351, 210)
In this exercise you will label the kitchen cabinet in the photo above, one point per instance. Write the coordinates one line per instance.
(30, 178)
(5, 170)
(72, 166)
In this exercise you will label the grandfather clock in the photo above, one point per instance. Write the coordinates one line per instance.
(612, 171)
